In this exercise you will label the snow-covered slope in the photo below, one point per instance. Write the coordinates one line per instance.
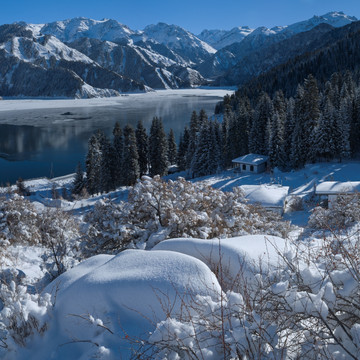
(139, 63)
(179, 40)
(127, 294)
(36, 65)
(221, 38)
(72, 29)
(261, 38)
(334, 18)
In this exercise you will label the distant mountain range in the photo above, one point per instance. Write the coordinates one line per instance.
(89, 58)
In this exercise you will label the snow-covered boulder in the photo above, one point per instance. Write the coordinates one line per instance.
(127, 294)
(240, 258)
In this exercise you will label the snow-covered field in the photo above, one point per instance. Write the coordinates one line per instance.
(30, 104)
(186, 298)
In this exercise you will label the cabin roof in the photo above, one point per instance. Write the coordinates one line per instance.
(267, 195)
(251, 159)
(337, 187)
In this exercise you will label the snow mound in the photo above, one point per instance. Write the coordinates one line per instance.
(241, 257)
(266, 195)
(129, 292)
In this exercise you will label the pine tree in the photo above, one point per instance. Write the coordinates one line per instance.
(343, 122)
(142, 142)
(263, 113)
(183, 147)
(131, 158)
(215, 151)
(118, 148)
(193, 133)
(93, 165)
(228, 130)
(310, 113)
(202, 118)
(79, 181)
(106, 165)
(244, 124)
(158, 148)
(324, 136)
(172, 148)
(201, 161)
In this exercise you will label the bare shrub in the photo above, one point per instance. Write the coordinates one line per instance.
(295, 203)
(157, 210)
(341, 213)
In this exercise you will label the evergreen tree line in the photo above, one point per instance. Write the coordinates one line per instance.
(131, 154)
(314, 125)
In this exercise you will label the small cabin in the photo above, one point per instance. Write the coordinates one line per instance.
(252, 163)
(271, 197)
(330, 190)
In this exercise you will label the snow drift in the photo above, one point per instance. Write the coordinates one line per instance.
(114, 300)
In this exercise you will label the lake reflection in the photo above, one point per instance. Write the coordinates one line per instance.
(50, 142)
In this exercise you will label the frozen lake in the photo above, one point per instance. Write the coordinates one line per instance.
(48, 137)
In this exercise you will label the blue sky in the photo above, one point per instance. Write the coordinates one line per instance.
(194, 15)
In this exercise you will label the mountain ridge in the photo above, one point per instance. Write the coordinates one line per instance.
(105, 57)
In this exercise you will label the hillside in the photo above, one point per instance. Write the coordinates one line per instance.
(139, 285)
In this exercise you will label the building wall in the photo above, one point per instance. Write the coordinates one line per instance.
(252, 168)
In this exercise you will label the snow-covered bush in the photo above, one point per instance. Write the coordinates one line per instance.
(54, 229)
(59, 234)
(22, 315)
(18, 221)
(343, 211)
(157, 210)
(308, 309)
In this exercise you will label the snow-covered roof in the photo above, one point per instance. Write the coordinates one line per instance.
(251, 159)
(337, 187)
(267, 195)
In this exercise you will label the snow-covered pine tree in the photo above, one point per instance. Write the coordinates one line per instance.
(79, 181)
(93, 165)
(229, 136)
(299, 150)
(118, 149)
(172, 148)
(215, 151)
(343, 122)
(257, 137)
(158, 148)
(193, 133)
(183, 147)
(310, 113)
(131, 158)
(243, 120)
(201, 161)
(324, 134)
(106, 165)
(203, 118)
(142, 142)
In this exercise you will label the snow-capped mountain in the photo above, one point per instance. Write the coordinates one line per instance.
(335, 19)
(184, 43)
(263, 37)
(222, 38)
(41, 65)
(85, 57)
(139, 63)
(72, 29)
(218, 39)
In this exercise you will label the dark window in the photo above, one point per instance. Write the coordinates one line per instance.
(244, 167)
(251, 167)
